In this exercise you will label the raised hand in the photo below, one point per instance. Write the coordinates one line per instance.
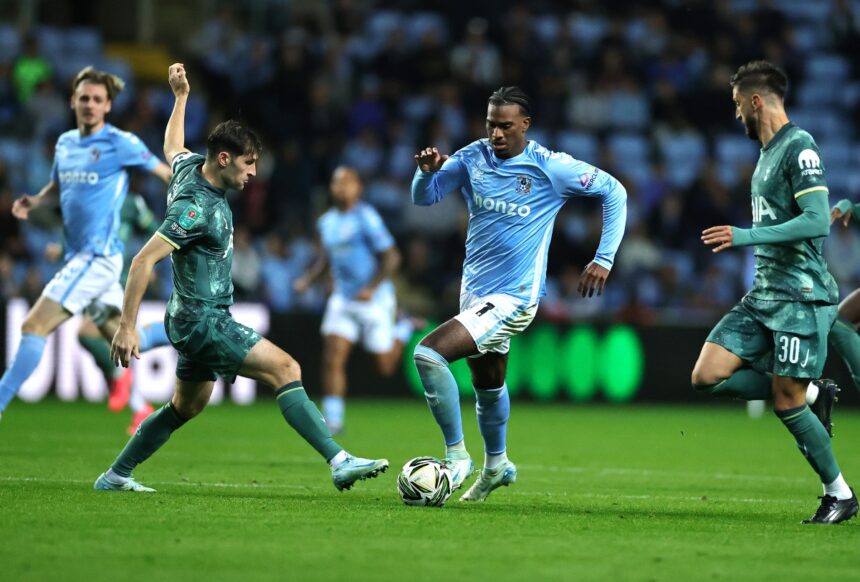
(178, 81)
(430, 160)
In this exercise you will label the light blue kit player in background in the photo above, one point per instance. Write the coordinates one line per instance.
(514, 188)
(359, 253)
(90, 173)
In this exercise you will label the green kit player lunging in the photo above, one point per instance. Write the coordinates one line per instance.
(774, 341)
(198, 231)
(843, 336)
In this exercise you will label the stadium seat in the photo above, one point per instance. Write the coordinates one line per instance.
(542, 136)
(629, 109)
(546, 28)
(827, 67)
(82, 42)
(10, 43)
(735, 148)
(50, 41)
(684, 154)
(15, 154)
(629, 148)
(582, 146)
(813, 93)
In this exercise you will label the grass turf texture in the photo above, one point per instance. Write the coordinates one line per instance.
(633, 493)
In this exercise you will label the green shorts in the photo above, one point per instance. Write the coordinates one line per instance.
(216, 344)
(782, 337)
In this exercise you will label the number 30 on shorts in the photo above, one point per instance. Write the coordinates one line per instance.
(788, 350)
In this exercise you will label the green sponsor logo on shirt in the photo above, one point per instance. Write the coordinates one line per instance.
(189, 216)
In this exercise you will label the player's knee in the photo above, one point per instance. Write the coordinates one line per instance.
(188, 408)
(425, 356)
(704, 380)
(788, 395)
(287, 370)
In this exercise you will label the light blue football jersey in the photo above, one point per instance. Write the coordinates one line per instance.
(351, 240)
(91, 174)
(512, 207)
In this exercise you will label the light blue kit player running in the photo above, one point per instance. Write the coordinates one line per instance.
(360, 254)
(90, 173)
(514, 188)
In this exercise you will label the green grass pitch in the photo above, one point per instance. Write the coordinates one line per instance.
(611, 493)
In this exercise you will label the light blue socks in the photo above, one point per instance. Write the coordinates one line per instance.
(26, 360)
(152, 335)
(334, 411)
(440, 390)
(494, 409)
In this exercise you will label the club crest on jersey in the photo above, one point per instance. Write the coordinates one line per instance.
(189, 216)
(524, 184)
(95, 154)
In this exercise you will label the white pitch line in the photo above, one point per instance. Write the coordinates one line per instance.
(506, 493)
(515, 492)
(605, 471)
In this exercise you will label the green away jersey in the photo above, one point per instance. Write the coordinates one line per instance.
(788, 168)
(199, 225)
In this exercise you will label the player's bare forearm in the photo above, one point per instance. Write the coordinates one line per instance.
(138, 279)
(163, 171)
(389, 261)
(317, 270)
(174, 134)
(139, 274)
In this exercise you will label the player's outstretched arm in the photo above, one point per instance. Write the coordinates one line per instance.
(174, 135)
(163, 172)
(813, 222)
(435, 176)
(125, 342)
(22, 206)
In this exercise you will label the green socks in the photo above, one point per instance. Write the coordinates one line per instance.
(305, 418)
(845, 340)
(812, 440)
(746, 384)
(153, 432)
(100, 349)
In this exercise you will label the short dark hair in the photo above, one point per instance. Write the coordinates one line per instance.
(112, 83)
(760, 76)
(234, 137)
(511, 96)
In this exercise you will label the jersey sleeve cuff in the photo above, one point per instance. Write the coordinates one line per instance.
(603, 262)
(809, 190)
(161, 235)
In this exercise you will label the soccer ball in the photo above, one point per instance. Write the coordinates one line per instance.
(424, 481)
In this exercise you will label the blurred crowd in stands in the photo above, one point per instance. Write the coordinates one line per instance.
(639, 89)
